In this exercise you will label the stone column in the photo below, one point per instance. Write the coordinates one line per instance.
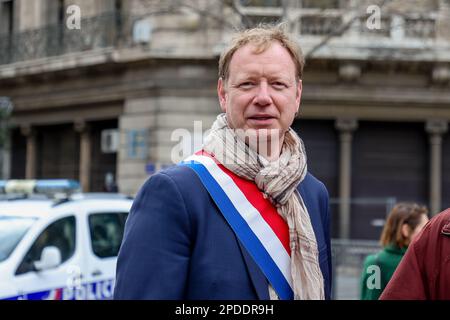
(346, 128)
(30, 167)
(443, 22)
(435, 130)
(5, 154)
(85, 154)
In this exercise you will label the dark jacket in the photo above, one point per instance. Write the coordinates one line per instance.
(424, 272)
(177, 244)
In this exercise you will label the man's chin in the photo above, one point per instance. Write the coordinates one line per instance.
(263, 141)
(263, 131)
(260, 134)
(260, 123)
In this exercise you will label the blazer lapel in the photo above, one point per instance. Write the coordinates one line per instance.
(259, 280)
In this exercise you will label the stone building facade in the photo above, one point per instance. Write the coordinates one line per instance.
(374, 111)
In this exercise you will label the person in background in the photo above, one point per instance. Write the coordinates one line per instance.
(403, 224)
(110, 185)
(424, 272)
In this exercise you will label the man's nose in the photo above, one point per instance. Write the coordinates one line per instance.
(262, 97)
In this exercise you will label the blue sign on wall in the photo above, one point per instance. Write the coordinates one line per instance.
(137, 144)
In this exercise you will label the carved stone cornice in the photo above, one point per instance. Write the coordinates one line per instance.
(436, 127)
(27, 130)
(346, 124)
(349, 72)
(81, 126)
(441, 74)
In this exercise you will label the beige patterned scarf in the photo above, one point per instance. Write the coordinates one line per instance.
(278, 180)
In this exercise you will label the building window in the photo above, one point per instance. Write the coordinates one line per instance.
(320, 4)
(61, 12)
(261, 3)
(118, 6)
(320, 25)
(6, 17)
(424, 28)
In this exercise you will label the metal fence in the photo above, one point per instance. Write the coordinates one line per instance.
(348, 259)
(366, 217)
(116, 28)
(95, 32)
(365, 225)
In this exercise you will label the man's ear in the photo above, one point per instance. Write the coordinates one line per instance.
(221, 92)
(299, 93)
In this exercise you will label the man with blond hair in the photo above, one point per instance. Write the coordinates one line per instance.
(242, 218)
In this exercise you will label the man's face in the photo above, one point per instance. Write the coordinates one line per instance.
(261, 91)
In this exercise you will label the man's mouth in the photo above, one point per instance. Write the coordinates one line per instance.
(261, 117)
(261, 121)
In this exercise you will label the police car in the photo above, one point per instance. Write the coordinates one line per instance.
(58, 247)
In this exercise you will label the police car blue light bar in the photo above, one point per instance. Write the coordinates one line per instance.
(50, 186)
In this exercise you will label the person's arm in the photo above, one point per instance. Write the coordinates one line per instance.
(328, 240)
(326, 222)
(153, 260)
(408, 280)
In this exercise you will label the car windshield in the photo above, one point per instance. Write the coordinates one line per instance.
(12, 230)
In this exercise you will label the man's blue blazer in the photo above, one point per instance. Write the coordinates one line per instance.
(177, 244)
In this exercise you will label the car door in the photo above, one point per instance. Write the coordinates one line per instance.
(105, 236)
(54, 283)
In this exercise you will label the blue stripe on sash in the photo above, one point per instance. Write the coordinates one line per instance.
(243, 231)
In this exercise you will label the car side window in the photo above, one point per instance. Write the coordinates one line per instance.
(106, 231)
(61, 234)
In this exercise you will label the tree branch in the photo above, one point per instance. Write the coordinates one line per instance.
(338, 32)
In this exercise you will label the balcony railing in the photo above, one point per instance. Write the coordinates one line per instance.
(261, 3)
(316, 4)
(95, 32)
(123, 30)
(420, 27)
(324, 17)
(317, 25)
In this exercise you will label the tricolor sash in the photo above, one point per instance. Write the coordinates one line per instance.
(253, 218)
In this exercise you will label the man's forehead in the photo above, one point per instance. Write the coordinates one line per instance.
(254, 70)
(274, 59)
(250, 50)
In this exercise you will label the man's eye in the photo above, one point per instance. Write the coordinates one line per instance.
(279, 85)
(247, 85)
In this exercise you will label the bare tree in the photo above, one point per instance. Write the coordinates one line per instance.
(214, 11)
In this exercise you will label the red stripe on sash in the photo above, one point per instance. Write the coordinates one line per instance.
(264, 206)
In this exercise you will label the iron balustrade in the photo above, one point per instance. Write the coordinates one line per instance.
(95, 32)
(115, 29)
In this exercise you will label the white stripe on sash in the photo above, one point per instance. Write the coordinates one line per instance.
(250, 214)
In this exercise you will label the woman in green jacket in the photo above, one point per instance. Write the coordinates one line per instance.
(404, 222)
